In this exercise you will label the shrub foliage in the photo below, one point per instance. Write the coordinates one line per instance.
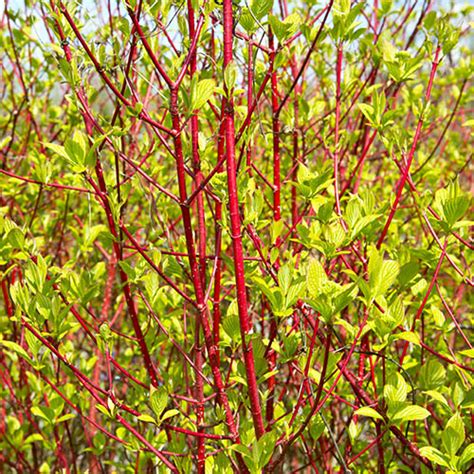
(234, 236)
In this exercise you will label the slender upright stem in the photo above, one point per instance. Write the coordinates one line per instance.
(276, 214)
(195, 274)
(196, 164)
(411, 154)
(336, 126)
(236, 231)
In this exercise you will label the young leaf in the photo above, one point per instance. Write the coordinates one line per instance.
(410, 413)
(169, 413)
(261, 8)
(16, 238)
(13, 346)
(230, 75)
(201, 93)
(370, 412)
(284, 278)
(247, 21)
(434, 455)
(103, 409)
(44, 412)
(158, 401)
(467, 455)
(315, 278)
(147, 418)
(368, 112)
(453, 435)
(286, 28)
(409, 336)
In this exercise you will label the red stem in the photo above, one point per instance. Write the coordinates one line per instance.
(411, 154)
(236, 235)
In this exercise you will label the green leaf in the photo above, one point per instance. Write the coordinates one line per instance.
(277, 229)
(128, 269)
(135, 110)
(33, 438)
(315, 278)
(231, 326)
(261, 8)
(278, 27)
(437, 396)
(45, 413)
(230, 75)
(411, 413)
(368, 112)
(76, 148)
(284, 278)
(158, 400)
(453, 435)
(396, 392)
(316, 427)
(266, 446)
(343, 296)
(343, 6)
(168, 414)
(388, 275)
(354, 430)
(408, 272)
(103, 410)
(241, 449)
(434, 455)
(16, 238)
(67, 416)
(266, 290)
(382, 273)
(468, 353)
(452, 203)
(409, 336)
(467, 455)
(91, 233)
(58, 150)
(201, 92)
(147, 418)
(374, 266)
(295, 292)
(247, 21)
(286, 28)
(267, 376)
(13, 346)
(455, 208)
(370, 412)
(429, 20)
(432, 374)
(456, 203)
